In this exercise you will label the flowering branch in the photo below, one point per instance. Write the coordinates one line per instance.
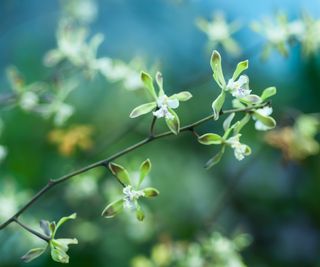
(52, 183)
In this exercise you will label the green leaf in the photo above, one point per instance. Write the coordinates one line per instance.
(266, 120)
(148, 82)
(268, 92)
(150, 192)
(145, 168)
(174, 124)
(251, 99)
(63, 220)
(182, 96)
(159, 80)
(143, 109)
(241, 123)
(210, 139)
(227, 121)
(33, 254)
(113, 209)
(120, 172)
(243, 65)
(218, 104)
(215, 63)
(215, 159)
(45, 226)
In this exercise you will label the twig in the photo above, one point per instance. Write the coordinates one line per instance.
(41, 236)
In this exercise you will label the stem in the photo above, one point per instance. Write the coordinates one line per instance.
(41, 236)
(153, 123)
(105, 162)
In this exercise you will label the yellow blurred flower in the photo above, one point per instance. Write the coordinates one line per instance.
(68, 140)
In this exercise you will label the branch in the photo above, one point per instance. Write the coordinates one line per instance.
(105, 162)
(41, 236)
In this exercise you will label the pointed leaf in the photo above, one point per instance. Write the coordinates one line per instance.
(120, 172)
(268, 92)
(45, 226)
(228, 120)
(210, 139)
(251, 99)
(63, 220)
(148, 82)
(150, 192)
(217, 104)
(216, 159)
(173, 124)
(243, 65)
(145, 168)
(113, 209)
(143, 109)
(33, 254)
(159, 80)
(182, 96)
(215, 63)
(266, 120)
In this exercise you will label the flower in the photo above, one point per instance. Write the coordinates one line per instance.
(240, 150)
(240, 87)
(265, 111)
(164, 103)
(130, 196)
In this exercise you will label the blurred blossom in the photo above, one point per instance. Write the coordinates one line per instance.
(298, 141)
(3, 153)
(219, 32)
(84, 11)
(10, 199)
(75, 136)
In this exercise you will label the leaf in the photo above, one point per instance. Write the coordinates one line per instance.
(241, 123)
(145, 168)
(148, 82)
(210, 139)
(159, 80)
(266, 120)
(268, 92)
(113, 209)
(251, 99)
(45, 226)
(150, 192)
(173, 124)
(63, 220)
(142, 109)
(33, 254)
(120, 172)
(139, 213)
(243, 65)
(182, 96)
(215, 159)
(227, 121)
(217, 104)
(215, 63)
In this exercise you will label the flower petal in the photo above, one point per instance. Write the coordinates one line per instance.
(142, 109)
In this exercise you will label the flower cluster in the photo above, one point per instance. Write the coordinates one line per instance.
(131, 193)
(162, 106)
(219, 32)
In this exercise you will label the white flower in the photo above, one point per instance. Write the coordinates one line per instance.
(218, 30)
(29, 100)
(297, 29)
(265, 111)
(276, 34)
(240, 150)
(164, 103)
(239, 88)
(131, 195)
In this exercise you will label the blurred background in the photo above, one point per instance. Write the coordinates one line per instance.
(64, 105)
